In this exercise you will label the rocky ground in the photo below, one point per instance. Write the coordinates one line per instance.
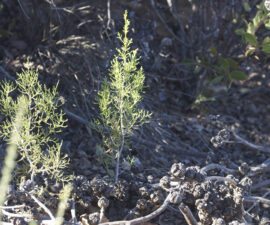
(196, 161)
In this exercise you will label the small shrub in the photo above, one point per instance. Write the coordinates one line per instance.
(118, 101)
(221, 72)
(256, 45)
(10, 158)
(38, 146)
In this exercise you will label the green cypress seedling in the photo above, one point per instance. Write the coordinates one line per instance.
(118, 101)
(38, 146)
(9, 163)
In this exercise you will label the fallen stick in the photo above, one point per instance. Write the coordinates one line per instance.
(256, 199)
(16, 215)
(217, 166)
(144, 218)
(40, 204)
(222, 179)
(187, 214)
(249, 144)
(12, 207)
(256, 203)
(263, 167)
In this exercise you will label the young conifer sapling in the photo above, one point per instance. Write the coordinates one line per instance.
(37, 142)
(119, 97)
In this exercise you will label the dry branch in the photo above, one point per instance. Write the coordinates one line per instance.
(187, 214)
(213, 166)
(144, 218)
(256, 199)
(251, 145)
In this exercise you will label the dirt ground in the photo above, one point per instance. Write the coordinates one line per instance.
(214, 150)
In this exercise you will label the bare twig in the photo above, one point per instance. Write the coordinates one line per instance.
(187, 214)
(17, 215)
(69, 7)
(144, 218)
(263, 167)
(73, 212)
(12, 207)
(256, 203)
(40, 204)
(224, 179)
(257, 200)
(77, 118)
(101, 216)
(109, 13)
(216, 166)
(249, 144)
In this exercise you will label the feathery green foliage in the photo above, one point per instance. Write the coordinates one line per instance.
(260, 21)
(119, 98)
(11, 154)
(38, 146)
